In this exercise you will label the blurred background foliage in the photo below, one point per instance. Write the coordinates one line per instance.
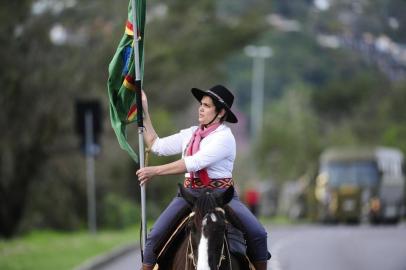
(336, 77)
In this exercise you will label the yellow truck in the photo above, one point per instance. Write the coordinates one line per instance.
(355, 184)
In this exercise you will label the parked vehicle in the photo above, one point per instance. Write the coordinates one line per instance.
(387, 204)
(360, 183)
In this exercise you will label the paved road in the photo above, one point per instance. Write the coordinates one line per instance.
(339, 248)
(311, 247)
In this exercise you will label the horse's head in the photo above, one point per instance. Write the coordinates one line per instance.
(207, 225)
(203, 201)
(219, 198)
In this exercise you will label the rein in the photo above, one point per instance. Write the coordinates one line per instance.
(190, 253)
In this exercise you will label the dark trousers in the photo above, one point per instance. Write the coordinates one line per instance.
(256, 235)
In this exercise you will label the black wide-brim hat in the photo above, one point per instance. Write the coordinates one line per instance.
(220, 94)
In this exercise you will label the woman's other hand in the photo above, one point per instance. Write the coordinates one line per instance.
(144, 102)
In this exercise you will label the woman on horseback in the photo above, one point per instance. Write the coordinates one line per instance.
(208, 154)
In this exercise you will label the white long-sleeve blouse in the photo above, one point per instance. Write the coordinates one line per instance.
(216, 152)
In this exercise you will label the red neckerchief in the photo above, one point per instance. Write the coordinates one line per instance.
(193, 147)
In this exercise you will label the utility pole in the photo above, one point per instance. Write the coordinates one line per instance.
(258, 54)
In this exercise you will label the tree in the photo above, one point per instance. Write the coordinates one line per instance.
(186, 47)
(40, 81)
(20, 116)
(290, 140)
(42, 77)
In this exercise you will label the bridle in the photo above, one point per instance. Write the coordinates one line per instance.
(224, 247)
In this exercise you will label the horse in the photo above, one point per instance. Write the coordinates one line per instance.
(204, 245)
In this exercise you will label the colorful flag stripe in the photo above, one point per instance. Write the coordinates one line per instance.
(129, 29)
(132, 113)
(129, 83)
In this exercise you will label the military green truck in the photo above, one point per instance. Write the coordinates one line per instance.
(355, 184)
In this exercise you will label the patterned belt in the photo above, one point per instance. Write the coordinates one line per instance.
(214, 183)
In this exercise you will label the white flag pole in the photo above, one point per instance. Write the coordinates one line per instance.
(140, 122)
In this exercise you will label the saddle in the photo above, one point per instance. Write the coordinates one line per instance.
(235, 239)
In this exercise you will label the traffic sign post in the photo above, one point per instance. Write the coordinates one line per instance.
(88, 126)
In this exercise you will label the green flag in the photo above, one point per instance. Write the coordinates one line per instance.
(121, 83)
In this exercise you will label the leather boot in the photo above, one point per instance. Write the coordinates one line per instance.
(260, 265)
(147, 267)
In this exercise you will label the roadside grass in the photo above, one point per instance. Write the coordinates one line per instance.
(43, 250)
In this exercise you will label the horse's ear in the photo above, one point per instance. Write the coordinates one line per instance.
(226, 196)
(186, 195)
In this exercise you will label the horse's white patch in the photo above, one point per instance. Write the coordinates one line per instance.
(204, 222)
(203, 254)
(203, 249)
